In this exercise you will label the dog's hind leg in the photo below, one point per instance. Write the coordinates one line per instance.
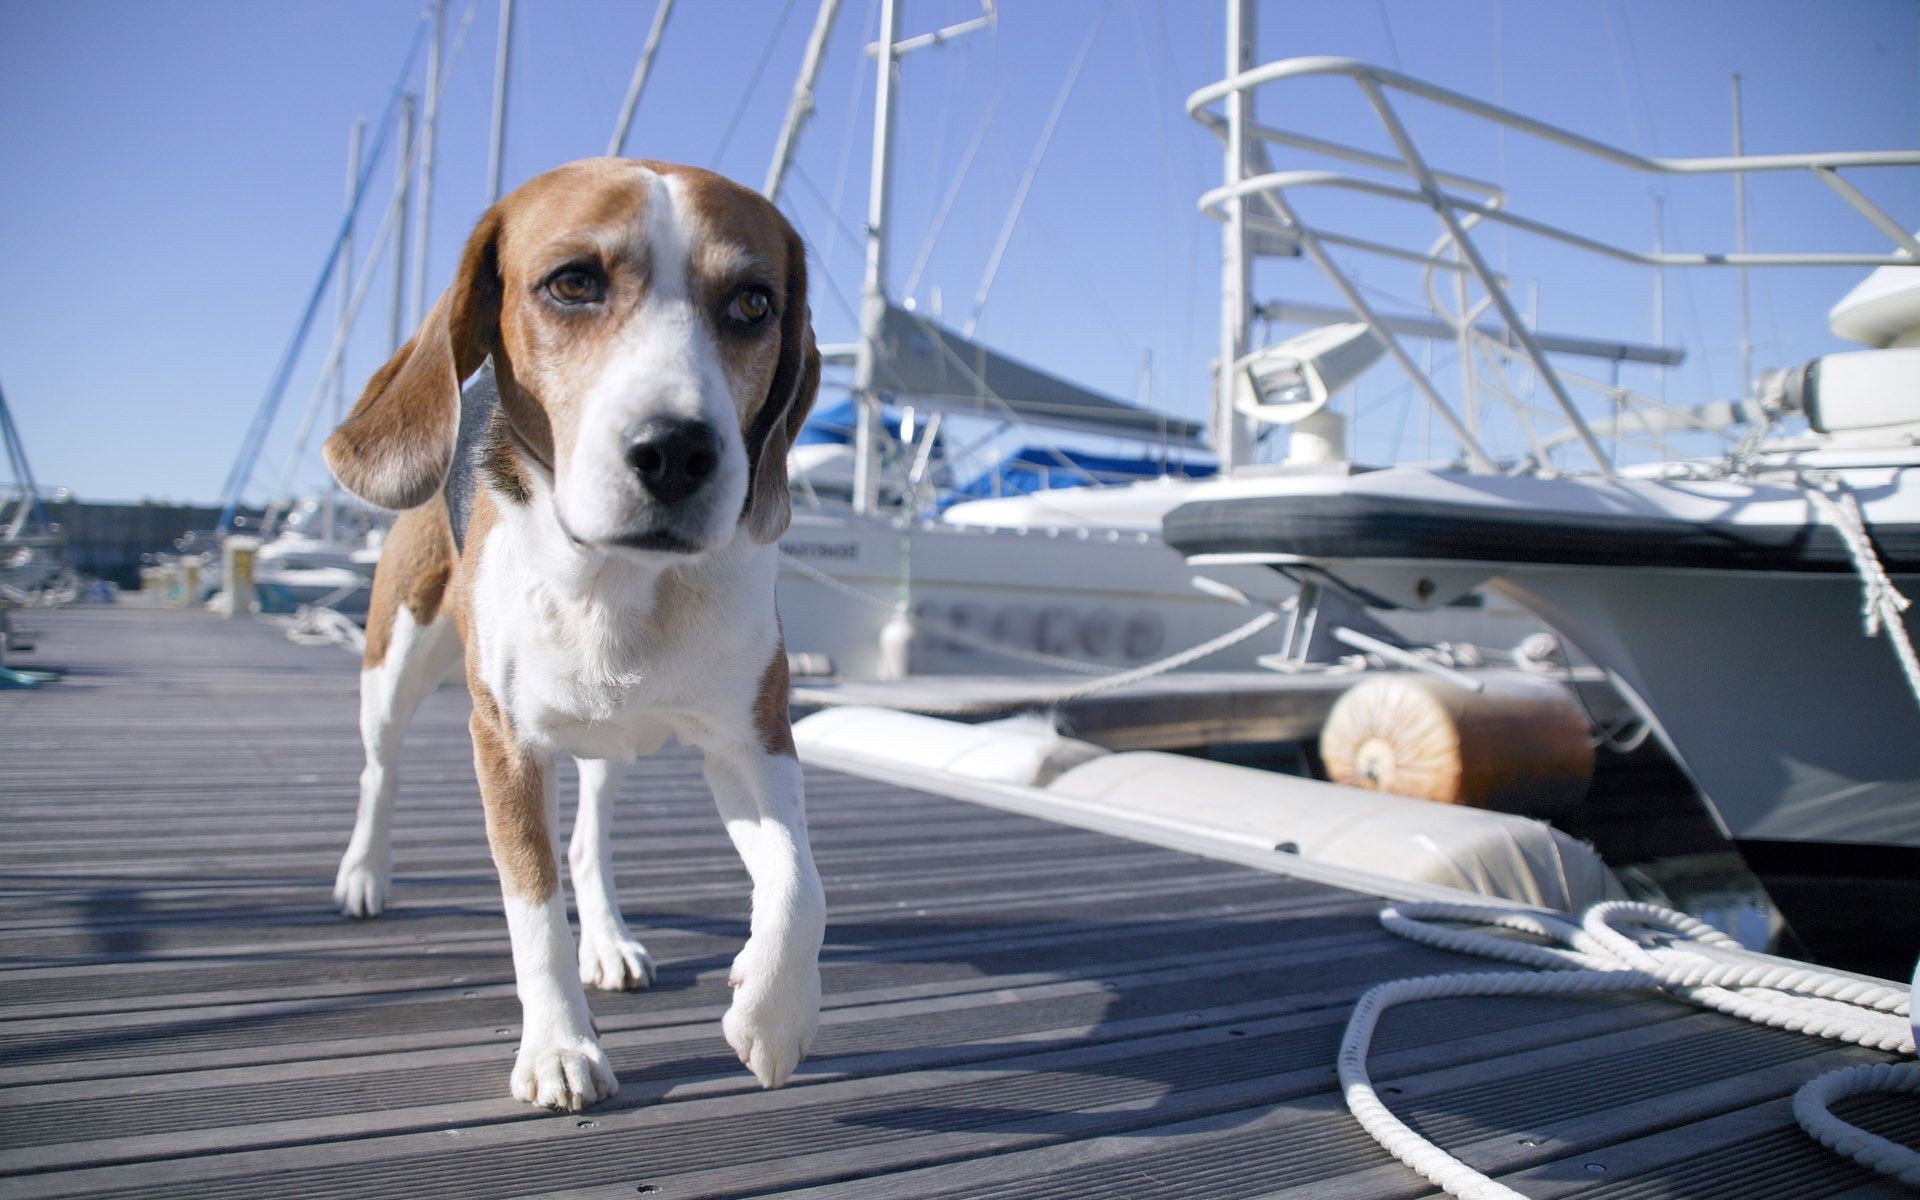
(611, 958)
(416, 661)
(411, 646)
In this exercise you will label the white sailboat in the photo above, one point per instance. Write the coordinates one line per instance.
(31, 550)
(1068, 577)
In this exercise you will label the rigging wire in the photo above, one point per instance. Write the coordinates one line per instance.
(254, 441)
(336, 353)
(1386, 23)
(1127, 341)
(753, 85)
(1633, 86)
(953, 193)
(836, 223)
(1500, 174)
(1159, 105)
(846, 147)
(813, 189)
(617, 144)
(1033, 169)
(1198, 180)
(949, 102)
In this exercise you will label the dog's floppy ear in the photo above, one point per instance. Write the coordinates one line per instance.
(396, 446)
(777, 423)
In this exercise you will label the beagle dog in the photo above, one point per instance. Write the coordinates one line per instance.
(594, 522)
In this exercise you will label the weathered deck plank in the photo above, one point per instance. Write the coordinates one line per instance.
(1012, 1008)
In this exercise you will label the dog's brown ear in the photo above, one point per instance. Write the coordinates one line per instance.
(396, 446)
(777, 423)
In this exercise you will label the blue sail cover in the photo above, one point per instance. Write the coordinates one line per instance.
(834, 425)
(1040, 468)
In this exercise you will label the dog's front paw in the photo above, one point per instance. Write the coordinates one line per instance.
(360, 887)
(567, 1075)
(611, 960)
(773, 1018)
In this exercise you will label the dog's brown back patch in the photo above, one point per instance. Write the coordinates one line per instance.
(416, 561)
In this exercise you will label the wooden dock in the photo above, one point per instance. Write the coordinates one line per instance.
(1013, 1008)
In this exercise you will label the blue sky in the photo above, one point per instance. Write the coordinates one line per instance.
(174, 175)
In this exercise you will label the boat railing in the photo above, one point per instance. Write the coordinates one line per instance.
(1261, 198)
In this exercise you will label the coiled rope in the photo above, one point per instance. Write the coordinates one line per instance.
(318, 625)
(1870, 1150)
(1629, 946)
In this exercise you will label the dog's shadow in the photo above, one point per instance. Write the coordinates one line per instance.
(1051, 1028)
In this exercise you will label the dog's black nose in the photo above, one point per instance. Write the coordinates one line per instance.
(672, 456)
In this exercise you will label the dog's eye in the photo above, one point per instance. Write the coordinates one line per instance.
(576, 285)
(750, 307)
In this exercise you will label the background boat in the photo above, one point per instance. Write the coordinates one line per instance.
(1722, 595)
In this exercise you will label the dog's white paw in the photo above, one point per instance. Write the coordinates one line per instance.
(611, 960)
(773, 1018)
(568, 1075)
(360, 887)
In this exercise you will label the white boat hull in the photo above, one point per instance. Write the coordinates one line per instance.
(1104, 597)
(1753, 666)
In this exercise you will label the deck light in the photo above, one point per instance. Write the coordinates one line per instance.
(1284, 382)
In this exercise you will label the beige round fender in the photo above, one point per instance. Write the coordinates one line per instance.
(1519, 745)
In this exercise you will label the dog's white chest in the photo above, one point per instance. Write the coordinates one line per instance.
(606, 667)
(572, 672)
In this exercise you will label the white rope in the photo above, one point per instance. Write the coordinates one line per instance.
(1869, 1150)
(1881, 602)
(1172, 662)
(1439, 1167)
(1628, 946)
(1192, 654)
(317, 625)
(50, 595)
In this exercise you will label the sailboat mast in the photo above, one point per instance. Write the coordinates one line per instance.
(873, 291)
(1233, 444)
(403, 175)
(345, 290)
(496, 143)
(1740, 242)
(800, 104)
(617, 145)
(424, 221)
(22, 473)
